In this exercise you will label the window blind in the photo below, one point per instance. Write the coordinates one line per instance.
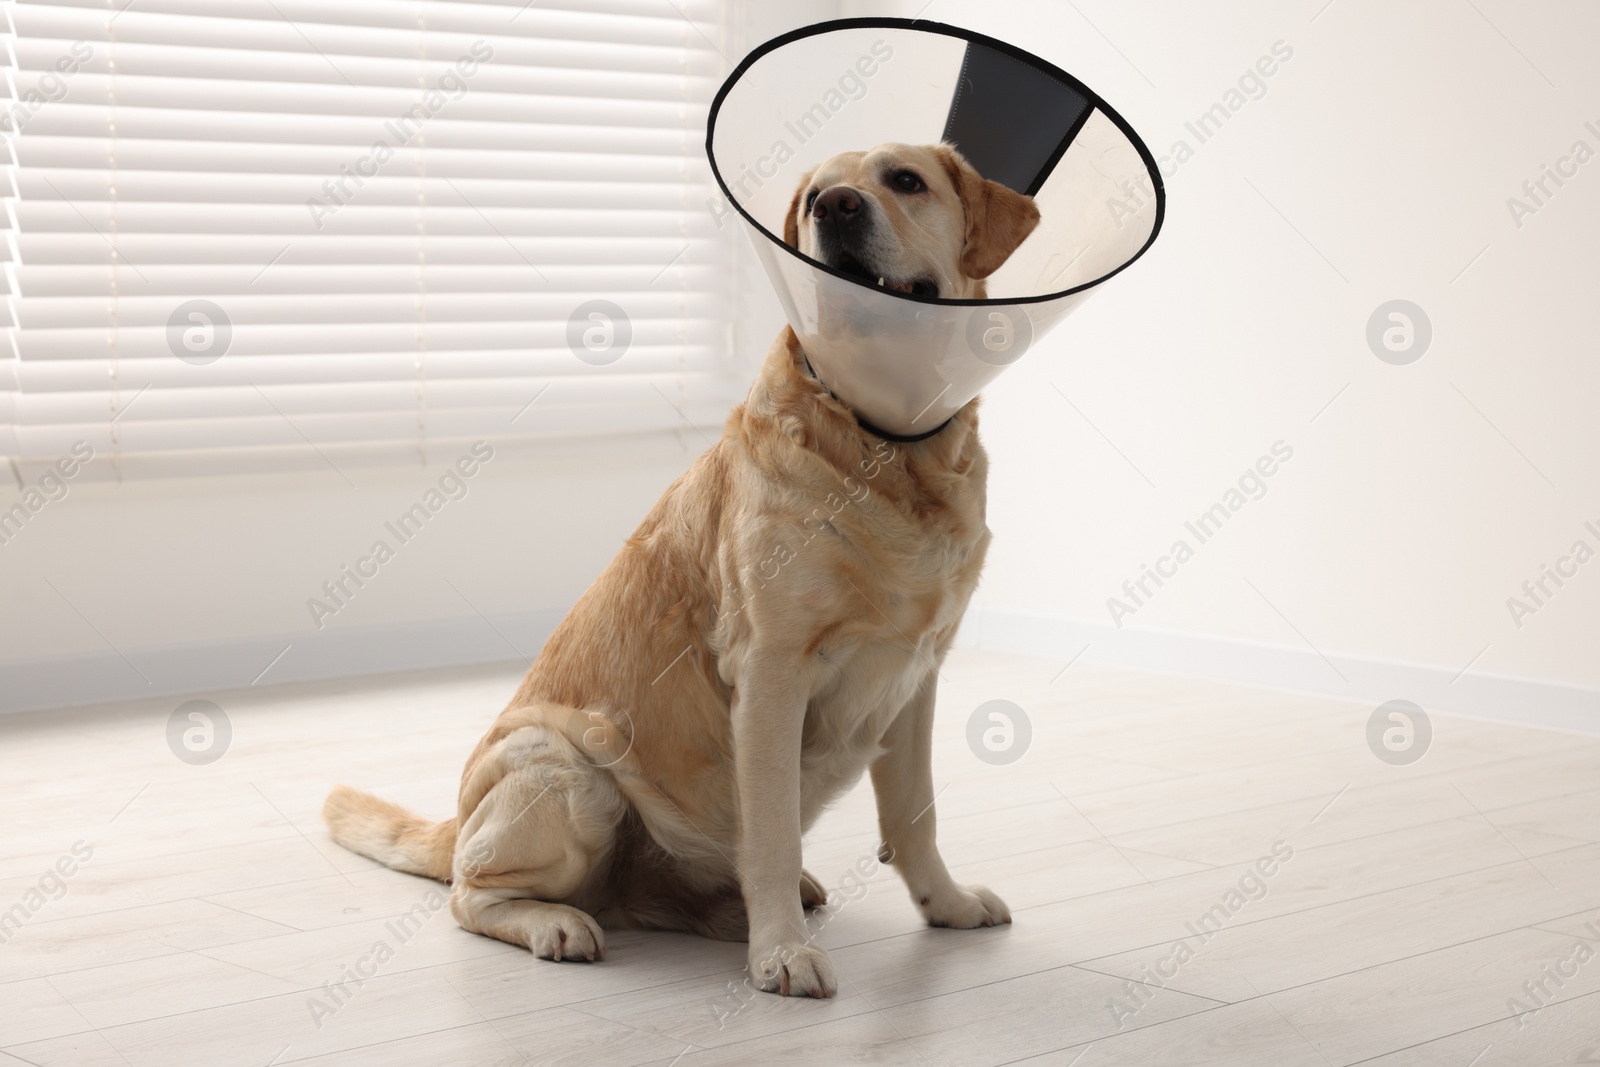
(256, 234)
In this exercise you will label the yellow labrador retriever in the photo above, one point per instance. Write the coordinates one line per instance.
(772, 630)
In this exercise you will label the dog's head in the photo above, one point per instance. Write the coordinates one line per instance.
(914, 218)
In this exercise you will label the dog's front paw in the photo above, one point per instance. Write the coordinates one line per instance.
(964, 907)
(794, 969)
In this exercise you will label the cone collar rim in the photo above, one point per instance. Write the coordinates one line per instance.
(1095, 100)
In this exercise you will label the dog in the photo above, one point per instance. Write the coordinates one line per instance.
(771, 630)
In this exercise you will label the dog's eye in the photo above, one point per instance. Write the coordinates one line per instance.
(811, 198)
(908, 182)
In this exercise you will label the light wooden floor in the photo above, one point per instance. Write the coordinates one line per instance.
(1416, 904)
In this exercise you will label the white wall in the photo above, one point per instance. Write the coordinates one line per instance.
(1376, 166)
(1390, 542)
(201, 582)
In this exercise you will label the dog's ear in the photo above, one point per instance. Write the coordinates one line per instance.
(791, 221)
(998, 218)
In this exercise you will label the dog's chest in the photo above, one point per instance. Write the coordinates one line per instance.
(903, 612)
(848, 717)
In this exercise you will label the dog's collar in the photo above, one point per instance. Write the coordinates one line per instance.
(898, 438)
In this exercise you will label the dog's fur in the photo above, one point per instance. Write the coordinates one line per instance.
(771, 630)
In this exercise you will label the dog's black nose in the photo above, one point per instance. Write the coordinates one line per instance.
(841, 202)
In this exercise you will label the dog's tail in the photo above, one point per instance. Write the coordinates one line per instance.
(388, 833)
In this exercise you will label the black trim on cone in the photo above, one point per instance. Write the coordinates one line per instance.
(920, 25)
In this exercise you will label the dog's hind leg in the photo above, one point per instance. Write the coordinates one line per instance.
(812, 895)
(546, 821)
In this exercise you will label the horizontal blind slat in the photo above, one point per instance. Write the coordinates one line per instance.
(110, 378)
(191, 279)
(303, 26)
(136, 186)
(248, 311)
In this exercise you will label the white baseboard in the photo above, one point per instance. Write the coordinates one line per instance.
(72, 681)
(1525, 701)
